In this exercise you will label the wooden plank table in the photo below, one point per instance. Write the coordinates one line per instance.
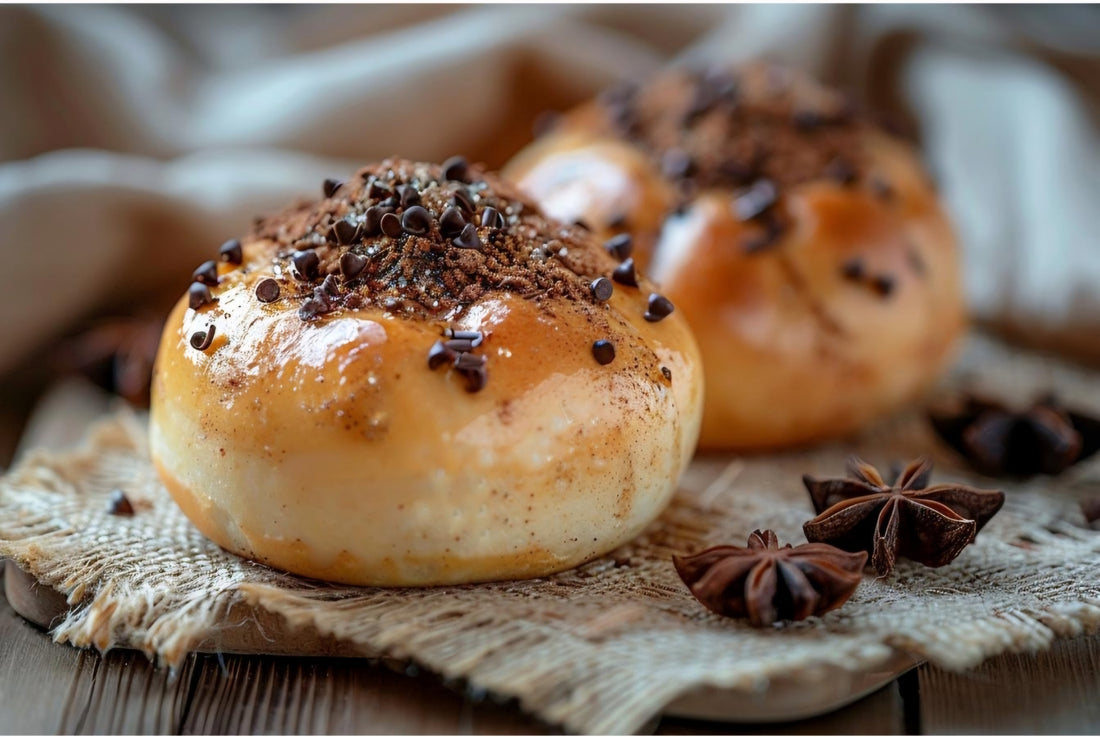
(51, 688)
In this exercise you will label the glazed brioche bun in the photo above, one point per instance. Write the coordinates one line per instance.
(806, 246)
(423, 403)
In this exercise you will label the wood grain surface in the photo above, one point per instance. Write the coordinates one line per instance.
(51, 688)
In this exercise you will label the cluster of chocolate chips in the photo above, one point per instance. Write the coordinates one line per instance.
(753, 132)
(199, 294)
(621, 247)
(430, 241)
(457, 351)
(388, 208)
(413, 238)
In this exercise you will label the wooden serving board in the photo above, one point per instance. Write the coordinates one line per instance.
(258, 632)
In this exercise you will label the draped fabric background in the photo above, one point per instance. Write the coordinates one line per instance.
(135, 140)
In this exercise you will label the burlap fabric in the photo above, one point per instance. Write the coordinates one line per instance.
(602, 648)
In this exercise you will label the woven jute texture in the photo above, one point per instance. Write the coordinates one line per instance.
(605, 647)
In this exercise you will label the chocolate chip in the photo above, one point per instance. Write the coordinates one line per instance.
(466, 361)
(625, 274)
(439, 355)
(305, 264)
(755, 200)
(603, 351)
(841, 170)
(853, 269)
(231, 252)
(474, 336)
(352, 264)
(372, 220)
(620, 246)
(451, 222)
(330, 286)
(207, 273)
(201, 339)
(330, 186)
(198, 295)
(119, 504)
(659, 308)
(677, 164)
(491, 218)
(476, 379)
(463, 201)
(602, 288)
(391, 225)
(455, 169)
(346, 232)
(468, 238)
(313, 307)
(377, 191)
(883, 284)
(267, 290)
(409, 195)
(666, 372)
(460, 345)
(416, 220)
(473, 368)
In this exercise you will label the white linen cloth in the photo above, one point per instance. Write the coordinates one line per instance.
(133, 141)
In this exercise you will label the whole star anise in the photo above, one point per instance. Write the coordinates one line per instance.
(904, 518)
(765, 583)
(1044, 438)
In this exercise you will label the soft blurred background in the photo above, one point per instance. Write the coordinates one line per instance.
(134, 140)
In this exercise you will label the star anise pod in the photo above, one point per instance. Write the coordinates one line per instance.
(906, 518)
(1044, 438)
(765, 583)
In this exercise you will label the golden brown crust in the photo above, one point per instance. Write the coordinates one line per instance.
(326, 445)
(805, 246)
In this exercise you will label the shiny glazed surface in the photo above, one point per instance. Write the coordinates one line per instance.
(329, 448)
